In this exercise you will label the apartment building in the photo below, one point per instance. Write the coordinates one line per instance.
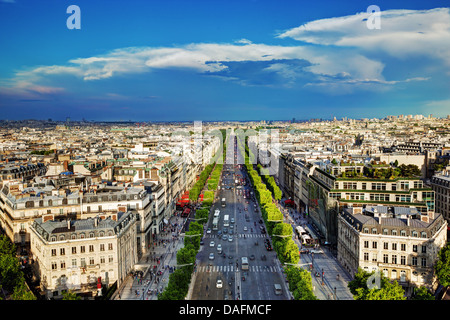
(21, 203)
(79, 255)
(398, 241)
(441, 186)
(322, 188)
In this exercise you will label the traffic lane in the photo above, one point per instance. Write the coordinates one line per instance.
(261, 277)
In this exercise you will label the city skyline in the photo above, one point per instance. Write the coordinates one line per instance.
(227, 60)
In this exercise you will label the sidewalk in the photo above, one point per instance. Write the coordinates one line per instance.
(331, 288)
(160, 258)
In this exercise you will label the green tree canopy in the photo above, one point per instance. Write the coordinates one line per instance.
(442, 266)
(388, 291)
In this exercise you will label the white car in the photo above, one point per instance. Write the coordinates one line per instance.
(208, 231)
(219, 247)
(219, 283)
(212, 244)
(211, 256)
(245, 229)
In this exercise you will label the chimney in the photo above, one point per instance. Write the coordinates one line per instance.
(68, 224)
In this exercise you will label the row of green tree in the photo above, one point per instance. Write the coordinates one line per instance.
(12, 279)
(269, 180)
(280, 232)
(179, 281)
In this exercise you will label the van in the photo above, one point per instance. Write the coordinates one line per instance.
(277, 287)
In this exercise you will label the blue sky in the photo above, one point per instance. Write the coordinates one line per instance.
(223, 60)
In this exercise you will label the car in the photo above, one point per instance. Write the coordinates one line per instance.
(208, 231)
(263, 257)
(219, 248)
(225, 230)
(219, 283)
(252, 257)
(230, 239)
(232, 220)
(245, 229)
(211, 256)
(212, 244)
(225, 237)
(201, 241)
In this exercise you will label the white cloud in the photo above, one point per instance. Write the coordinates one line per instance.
(403, 33)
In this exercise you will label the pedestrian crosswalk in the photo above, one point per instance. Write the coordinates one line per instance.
(238, 235)
(232, 268)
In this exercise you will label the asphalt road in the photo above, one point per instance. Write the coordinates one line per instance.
(247, 241)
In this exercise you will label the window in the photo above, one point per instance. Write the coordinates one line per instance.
(385, 232)
(403, 233)
(414, 248)
(374, 231)
(424, 249)
(394, 232)
(414, 261)
(54, 265)
(366, 244)
(415, 234)
(53, 252)
(385, 245)
(366, 230)
(63, 264)
(424, 235)
(102, 259)
(374, 244)
(378, 186)
(110, 259)
(403, 247)
(366, 256)
(394, 246)
(62, 251)
(91, 248)
(82, 249)
(385, 258)
(350, 185)
(91, 261)
(110, 246)
(74, 263)
(102, 247)
(394, 259)
(424, 262)
(74, 250)
(403, 260)
(374, 257)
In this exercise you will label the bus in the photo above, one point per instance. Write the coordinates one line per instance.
(226, 221)
(215, 223)
(244, 263)
(303, 235)
(223, 202)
